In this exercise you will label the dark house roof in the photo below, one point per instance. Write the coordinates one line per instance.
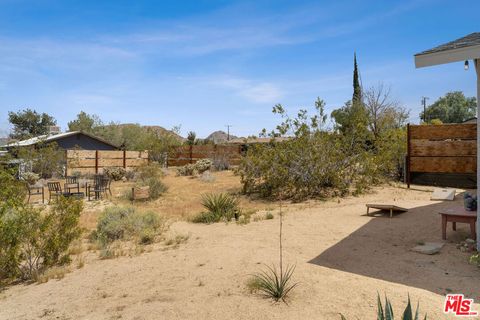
(67, 140)
(472, 39)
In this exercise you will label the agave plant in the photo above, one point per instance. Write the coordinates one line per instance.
(388, 313)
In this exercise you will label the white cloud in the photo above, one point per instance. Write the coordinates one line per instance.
(250, 90)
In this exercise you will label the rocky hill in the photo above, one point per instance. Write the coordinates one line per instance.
(219, 137)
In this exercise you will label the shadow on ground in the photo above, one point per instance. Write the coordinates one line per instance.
(381, 249)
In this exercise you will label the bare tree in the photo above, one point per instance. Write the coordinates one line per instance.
(383, 111)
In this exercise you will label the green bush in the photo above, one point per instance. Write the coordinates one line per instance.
(186, 170)
(149, 170)
(388, 313)
(115, 173)
(46, 159)
(475, 259)
(203, 165)
(125, 223)
(221, 206)
(312, 163)
(34, 240)
(157, 187)
(198, 167)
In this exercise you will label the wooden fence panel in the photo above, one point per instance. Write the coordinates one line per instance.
(443, 164)
(191, 154)
(444, 131)
(424, 147)
(92, 161)
(110, 154)
(441, 149)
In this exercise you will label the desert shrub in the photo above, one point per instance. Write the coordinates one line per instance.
(47, 160)
(30, 177)
(221, 163)
(313, 163)
(115, 173)
(388, 314)
(124, 223)
(207, 176)
(203, 165)
(34, 240)
(149, 170)
(157, 187)
(475, 259)
(221, 206)
(186, 170)
(77, 174)
(130, 175)
(199, 167)
(269, 216)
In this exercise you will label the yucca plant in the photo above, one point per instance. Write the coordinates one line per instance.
(273, 283)
(219, 206)
(388, 313)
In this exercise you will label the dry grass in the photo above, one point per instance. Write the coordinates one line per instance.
(182, 200)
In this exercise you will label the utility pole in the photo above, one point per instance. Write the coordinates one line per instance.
(228, 131)
(424, 102)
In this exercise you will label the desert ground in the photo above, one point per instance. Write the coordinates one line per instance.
(342, 258)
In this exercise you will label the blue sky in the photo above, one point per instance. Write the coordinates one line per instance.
(205, 64)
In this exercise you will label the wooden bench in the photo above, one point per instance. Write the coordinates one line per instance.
(460, 215)
(386, 207)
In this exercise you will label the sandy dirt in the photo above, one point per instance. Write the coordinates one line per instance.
(342, 257)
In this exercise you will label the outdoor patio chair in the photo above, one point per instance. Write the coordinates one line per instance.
(35, 190)
(55, 190)
(108, 185)
(71, 183)
(99, 187)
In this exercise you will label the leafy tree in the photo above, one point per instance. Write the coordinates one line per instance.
(191, 138)
(454, 107)
(85, 122)
(45, 159)
(28, 123)
(383, 112)
(313, 163)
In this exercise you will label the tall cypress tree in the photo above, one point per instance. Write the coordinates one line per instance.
(357, 90)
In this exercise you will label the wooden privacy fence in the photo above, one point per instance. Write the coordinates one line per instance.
(447, 152)
(93, 161)
(191, 154)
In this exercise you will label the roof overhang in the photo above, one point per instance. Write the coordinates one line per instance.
(448, 56)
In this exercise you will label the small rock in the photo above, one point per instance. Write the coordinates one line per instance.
(429, 248)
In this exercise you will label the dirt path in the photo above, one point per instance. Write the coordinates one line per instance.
(342, 259)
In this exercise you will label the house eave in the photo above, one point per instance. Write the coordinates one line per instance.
(447, 56)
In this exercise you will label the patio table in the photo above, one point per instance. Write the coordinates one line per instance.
(460, 215)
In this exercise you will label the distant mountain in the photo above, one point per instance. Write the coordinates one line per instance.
(161, 130)
(219, 137)
(157, 129)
